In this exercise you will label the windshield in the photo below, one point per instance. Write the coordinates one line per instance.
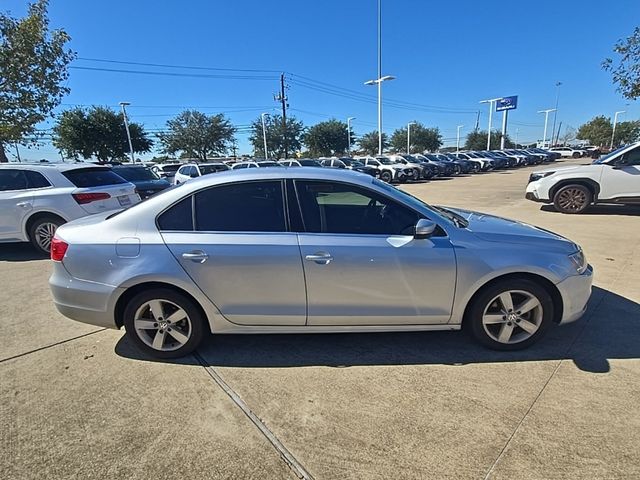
(385, 161)
(138, 174)
(609, 156)
(170, 168)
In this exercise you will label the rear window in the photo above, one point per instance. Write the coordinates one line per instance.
(93, 177)
(136, 173)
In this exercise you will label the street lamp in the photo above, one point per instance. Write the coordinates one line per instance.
(409, 137)
(264, 134)
(490, 101)
(126, 127)
(458, 138)
(546, 119)
(615, 122)
(555, 114)
(378, 82)
(349, 134)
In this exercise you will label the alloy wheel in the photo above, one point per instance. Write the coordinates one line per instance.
(572, 199)
(162, 325)
(44, 234)
(512, 316)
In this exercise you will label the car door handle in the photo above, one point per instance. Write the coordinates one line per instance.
(23, 204)
(321, 258)
(197, 256)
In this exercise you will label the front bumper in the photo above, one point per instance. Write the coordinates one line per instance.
(533, 193)
(575, 292)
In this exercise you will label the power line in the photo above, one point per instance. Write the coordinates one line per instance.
(187, 67)
(175, 74)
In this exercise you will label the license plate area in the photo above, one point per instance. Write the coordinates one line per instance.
(124, 200)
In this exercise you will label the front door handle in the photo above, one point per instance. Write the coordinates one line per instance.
(24, 204)
(321, 258)
(197, 256)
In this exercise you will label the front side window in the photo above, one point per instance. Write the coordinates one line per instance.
(11, 179)
(632, 157)
(241, 207)
(340, 208)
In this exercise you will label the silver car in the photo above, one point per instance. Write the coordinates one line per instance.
(275, 250)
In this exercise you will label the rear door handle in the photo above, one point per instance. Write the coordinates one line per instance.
(321, 258)
(24, 204)
(197, 256)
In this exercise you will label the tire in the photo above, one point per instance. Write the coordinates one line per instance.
(572, 199)
(386, 176)
(491, 323)
(575, 155)
(178, 337)
(41, 232)
(402, 178)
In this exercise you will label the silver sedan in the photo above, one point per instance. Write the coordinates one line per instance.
(293, 250)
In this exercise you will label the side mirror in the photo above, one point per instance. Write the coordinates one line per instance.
(424, 229)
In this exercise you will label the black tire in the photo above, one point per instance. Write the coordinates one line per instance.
(41, 232)
(386, 176)
(193, 326)
(572, 199)
(402, 178)
(486, 301)
(575, 155)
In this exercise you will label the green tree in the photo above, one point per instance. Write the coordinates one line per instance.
(97, 132)
(327, 138)
(422, 138)
(195, 134)
(276, 136)
(369, 142)
(477, 140)
(627, 132)
(33, 72)
(596, 131)
(626, 72)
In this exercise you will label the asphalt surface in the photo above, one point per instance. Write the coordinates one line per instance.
(80, 402)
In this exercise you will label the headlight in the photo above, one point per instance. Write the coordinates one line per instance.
(579, 260)
(538, 175)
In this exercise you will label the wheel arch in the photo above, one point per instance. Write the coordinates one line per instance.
(35, 216)
(547, 284)
(590, 183)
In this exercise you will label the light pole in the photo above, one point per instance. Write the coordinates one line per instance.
(378, 82)
(349, 134)
(264, 134)
(126, 127)
(615, 123)
(458, 138)
(409, 137)
(490, 101)
(555, 114)
(546, 119)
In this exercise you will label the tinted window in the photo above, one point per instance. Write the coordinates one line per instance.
(36, 179)
(178, 217)
(341, 208)
(12, 180)
(241, 207)
(207, 169)
(632, 157)
(93, 177)
(136, 173)
(184, 170)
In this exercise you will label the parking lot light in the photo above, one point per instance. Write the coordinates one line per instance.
(458, 138)
(264, 134)
(546, 120)
(378, 81)
(409, 137)
(349, 134)
(126, 127)
(490, 101)
(615, 123)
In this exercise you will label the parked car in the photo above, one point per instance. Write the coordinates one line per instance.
(388, 170)
(460, 166)
(35, 199)
(405, 265)
(349, 164)
(473, 165)
(268, 163)
(147, 182)
(569, 152)
(309, 162)
(290, 163)
(166, 170)
(614, 178)
(438, 167)
(484, 164)
(420, 169)
(194, 170)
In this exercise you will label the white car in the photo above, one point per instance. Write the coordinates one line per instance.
(290, 163)
(614, 178)
(389, 171)
(35, 199)
(166, 170)
(569, 152)
(194, 170)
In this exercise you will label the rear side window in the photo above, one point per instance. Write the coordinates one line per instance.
(36, 179)
(12, 179)
(177, 218)
(241, 207)
(93, 177)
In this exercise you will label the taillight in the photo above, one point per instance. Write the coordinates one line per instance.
(83, 198)
(58, 249)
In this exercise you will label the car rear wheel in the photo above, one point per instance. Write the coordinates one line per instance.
(511, 314)
(572, 199)
(41, 232)
(386, 176)
(575, 155)
(164, 323)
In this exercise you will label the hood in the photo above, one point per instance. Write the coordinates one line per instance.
(503, 230)
(566, 169)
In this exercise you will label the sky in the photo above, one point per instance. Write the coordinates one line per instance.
(446, 57)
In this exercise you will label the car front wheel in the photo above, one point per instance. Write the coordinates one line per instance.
(386, 176)
(572, 199)
(511, 314)
(164, 323)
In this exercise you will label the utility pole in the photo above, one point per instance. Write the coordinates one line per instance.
(458, 138)
(349, 134)
(264, 135)
(477, 121)
(558, 134)
(17, 152)
(409, 137)
(517, 131)
(126, 127)
(282, 98)
(555, 114)
(615, 123)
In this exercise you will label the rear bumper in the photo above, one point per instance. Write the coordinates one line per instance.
(575, 292)
(86, 302)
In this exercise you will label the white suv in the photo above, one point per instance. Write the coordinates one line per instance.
(614, 178)
(569, 152)
(388, 170)
(194, 170)
(36, 199)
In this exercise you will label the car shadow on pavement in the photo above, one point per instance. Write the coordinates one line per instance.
(19, 252)
(609, 331)
(627, 210)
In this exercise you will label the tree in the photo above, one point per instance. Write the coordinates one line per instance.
(369, 142)
(33, 72)
(276, 136)
(477, 140)
(97, 132)
(596, 131)
(627, 132)
(195, 134)
(327, 138)
(422, 139)
(568, 136)
(626, 73)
